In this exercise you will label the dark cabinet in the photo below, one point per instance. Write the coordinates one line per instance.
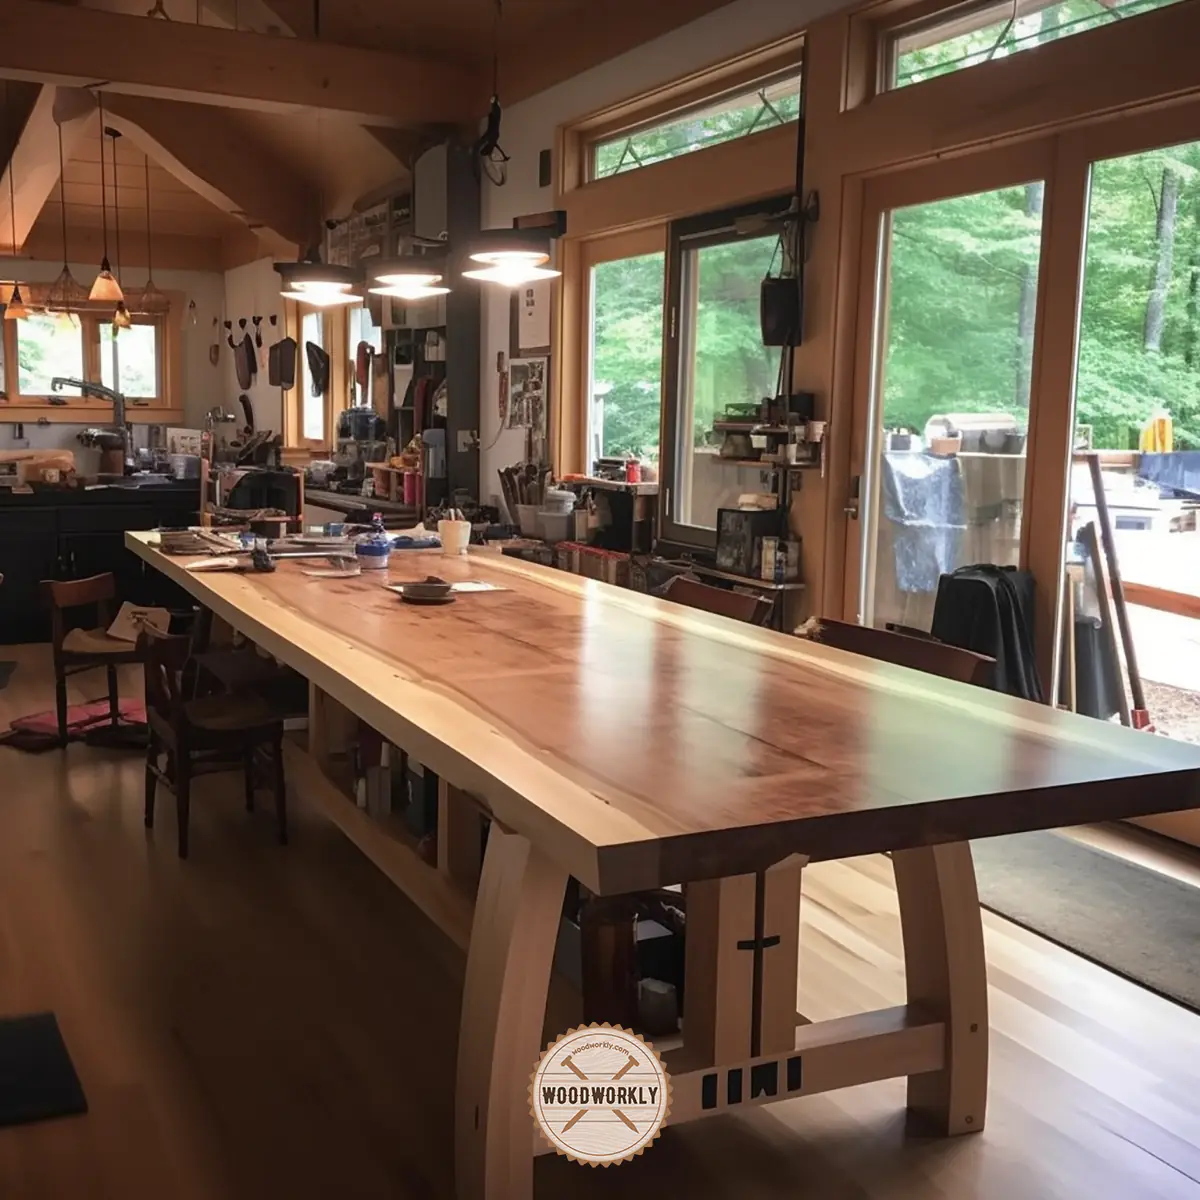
(75, 538)
(28, 555)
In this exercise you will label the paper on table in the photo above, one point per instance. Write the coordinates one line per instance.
(133, 618)
(468, 585)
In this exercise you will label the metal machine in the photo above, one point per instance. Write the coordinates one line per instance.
(361, 439)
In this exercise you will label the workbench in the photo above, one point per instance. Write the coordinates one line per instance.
(633, 743)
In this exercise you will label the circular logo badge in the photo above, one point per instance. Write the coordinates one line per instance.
(600, 1094)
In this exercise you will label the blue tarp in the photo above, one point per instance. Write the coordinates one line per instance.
(1179, 471)
(923, 497)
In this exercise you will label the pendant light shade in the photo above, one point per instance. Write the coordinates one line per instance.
(15, 309)
(313, 282)
(106, 289)
(511, 257)
(412, 277)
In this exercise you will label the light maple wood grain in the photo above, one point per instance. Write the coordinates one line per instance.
(640, 743)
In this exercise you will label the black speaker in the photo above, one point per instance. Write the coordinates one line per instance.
(781, 311)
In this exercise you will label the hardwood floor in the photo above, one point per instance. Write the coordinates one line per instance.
(262, 1022)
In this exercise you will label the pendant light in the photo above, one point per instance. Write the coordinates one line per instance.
(66, 293)
(15, 308)
(121, 318)
(151, 300)
(511, 257)
(409, 278)
(106, 289)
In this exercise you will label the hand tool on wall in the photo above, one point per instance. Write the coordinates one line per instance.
(214, 351)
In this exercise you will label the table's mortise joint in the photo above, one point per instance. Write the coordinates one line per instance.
(764, 1081)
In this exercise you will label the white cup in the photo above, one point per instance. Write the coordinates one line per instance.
(455, 535)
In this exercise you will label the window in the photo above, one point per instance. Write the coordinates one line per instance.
(129, 361)
(718, 364)
(762, 105)
(312, 396)
(974, 34)
(625, 369)
(48, 346)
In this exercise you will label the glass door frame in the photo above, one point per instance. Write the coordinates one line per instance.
(684, 236)
(990, 170)
(629, 243)
(1064, 159)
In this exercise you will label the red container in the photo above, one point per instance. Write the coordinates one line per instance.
(633, 471)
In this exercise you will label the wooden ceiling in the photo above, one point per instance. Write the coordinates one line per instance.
(238, 145)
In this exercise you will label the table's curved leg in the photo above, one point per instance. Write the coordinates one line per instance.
(517, 913)
(947, 973)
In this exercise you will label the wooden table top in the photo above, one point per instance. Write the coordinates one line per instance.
(641, 743)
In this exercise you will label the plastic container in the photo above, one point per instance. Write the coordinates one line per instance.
(555, 526)
(558, 500)
(527, 519)
(455, 535)
(372, 554)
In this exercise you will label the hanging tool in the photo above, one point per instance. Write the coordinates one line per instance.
(214, 351)
(229, 334)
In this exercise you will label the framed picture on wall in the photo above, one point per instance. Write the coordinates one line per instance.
(529, 319)
(527, 393)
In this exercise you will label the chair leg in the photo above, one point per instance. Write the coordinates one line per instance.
(114, 702)
(248, 767)
(60, 697)
(151, 778)
(183, 781)
(280, 790)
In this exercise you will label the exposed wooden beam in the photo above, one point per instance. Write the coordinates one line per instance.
(586, 37)
(18, 99)
(135, 55)
(203, 148)
(33, 163)
(171, 251)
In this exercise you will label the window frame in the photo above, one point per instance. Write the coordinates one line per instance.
(335, 336)
(18, 405)
(688, 234)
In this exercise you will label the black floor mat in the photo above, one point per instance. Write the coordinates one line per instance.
(37, 1078)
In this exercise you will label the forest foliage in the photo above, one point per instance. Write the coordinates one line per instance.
(962, 289)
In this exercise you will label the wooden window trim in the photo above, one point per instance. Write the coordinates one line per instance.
(709, 85)
(335, 340)
(167, 405)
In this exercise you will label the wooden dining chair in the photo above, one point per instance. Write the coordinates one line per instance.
(739, 606)
(203, 735)
(85, 648)
(904, 650)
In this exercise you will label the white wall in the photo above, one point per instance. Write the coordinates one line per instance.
(529, 128)
(253, 290)
(201, 384)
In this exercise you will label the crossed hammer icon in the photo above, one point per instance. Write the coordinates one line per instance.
(569, 1063)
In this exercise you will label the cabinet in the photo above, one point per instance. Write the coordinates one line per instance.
(67, 536)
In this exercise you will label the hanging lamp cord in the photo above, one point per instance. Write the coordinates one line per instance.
(12, 176)
(103, 184)
(116, 205)
(62, 195)
(149, 239)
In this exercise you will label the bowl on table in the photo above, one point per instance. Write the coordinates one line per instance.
(430, 590)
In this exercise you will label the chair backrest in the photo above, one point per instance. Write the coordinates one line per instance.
(740, 606)
(920, 653)
(65, 594)
(164, 656)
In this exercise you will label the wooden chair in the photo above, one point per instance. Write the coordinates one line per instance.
(83, 649)
(198, 736)
(739, 606)
(920, 653)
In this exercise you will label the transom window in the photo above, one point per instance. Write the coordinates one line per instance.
(977, 33)
(748, 110)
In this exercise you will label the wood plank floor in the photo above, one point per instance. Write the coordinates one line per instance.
(264, 1022)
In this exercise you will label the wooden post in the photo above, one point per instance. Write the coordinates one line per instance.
(504, 1003)
(459, 837)
(331, 726)
(947, 976)
(720, 1024)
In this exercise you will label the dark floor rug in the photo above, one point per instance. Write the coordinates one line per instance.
(37, 1079)
(1127, 918)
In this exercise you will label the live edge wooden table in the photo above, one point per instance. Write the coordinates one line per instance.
(632, 743)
